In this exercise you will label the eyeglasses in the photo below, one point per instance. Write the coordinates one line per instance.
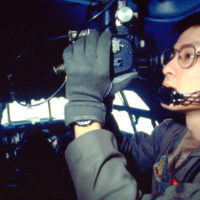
(187, 55)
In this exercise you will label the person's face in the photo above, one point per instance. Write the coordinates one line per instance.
(180, 79)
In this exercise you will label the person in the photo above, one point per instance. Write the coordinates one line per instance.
(96, 162)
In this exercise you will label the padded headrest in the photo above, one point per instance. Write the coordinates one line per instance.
(171, 10)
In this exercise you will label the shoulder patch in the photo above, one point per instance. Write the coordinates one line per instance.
(158, 168)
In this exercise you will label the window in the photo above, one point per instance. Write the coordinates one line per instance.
(53, 109)
(24, 113)
(123, 117)
(57, 107)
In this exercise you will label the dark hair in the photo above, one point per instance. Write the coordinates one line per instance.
(190, 20)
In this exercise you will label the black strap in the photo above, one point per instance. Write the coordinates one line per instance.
(192, 173)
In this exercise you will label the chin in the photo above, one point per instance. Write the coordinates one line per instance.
(182, 108)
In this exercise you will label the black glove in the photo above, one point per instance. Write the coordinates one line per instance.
(87, 65)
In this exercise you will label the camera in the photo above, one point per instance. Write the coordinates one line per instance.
(122, 19)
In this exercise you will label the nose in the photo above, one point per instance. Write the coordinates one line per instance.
(170, 67)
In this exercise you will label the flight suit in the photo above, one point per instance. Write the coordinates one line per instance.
(99, 169)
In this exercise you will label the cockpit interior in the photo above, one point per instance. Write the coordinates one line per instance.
(33, 35)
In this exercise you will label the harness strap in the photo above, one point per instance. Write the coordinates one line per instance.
(192, 173)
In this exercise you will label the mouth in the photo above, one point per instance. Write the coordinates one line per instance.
(164, 94)
(168, 86)
(168, 95)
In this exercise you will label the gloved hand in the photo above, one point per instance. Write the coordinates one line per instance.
(87, 65)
